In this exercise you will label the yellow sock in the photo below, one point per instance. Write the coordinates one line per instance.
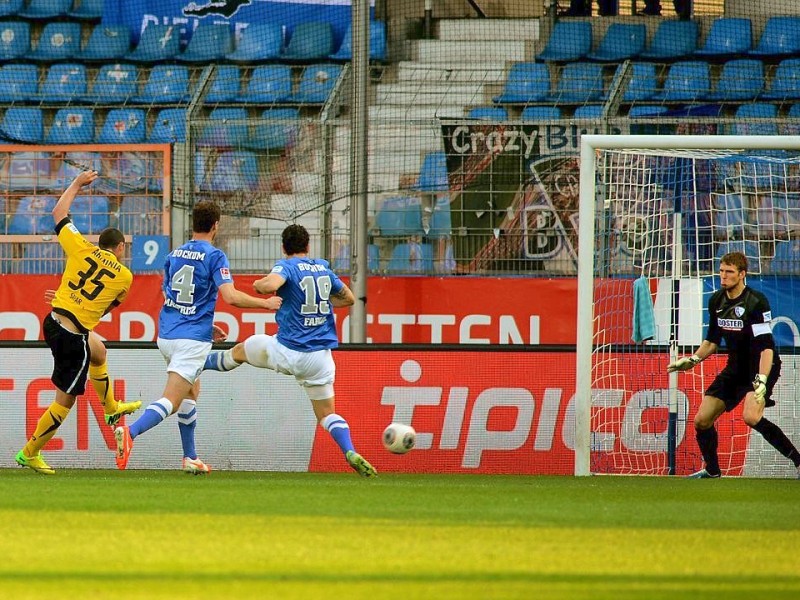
(101, 383)
(46, 428)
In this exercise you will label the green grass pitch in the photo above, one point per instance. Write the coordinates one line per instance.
(145, 534)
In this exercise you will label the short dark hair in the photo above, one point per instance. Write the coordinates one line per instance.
(295, 239)
(110, 238)
(735, 259)
(204, 215)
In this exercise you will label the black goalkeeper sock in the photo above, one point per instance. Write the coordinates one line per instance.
(775, 436)
(707, 440)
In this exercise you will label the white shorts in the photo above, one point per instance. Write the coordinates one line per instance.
(315, 371)
(185, 357)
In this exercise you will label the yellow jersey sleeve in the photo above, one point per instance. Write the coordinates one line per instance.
(93, 279)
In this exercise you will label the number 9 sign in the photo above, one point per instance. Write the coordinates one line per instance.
(148, 252)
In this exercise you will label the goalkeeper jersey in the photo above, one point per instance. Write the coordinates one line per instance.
(93, 278)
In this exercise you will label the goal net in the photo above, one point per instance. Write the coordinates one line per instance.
(656, 214)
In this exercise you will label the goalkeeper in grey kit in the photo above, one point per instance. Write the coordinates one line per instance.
(741, 316)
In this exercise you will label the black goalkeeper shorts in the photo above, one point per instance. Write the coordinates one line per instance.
(731, 389)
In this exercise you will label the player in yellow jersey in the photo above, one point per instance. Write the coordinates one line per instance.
(93, 283)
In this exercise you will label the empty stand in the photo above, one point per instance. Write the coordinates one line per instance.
(526, 82)
(441, 225)
(45, 9)
(141, 215)
(747, 247)
(226, 84)
(15, 40)
(278, 129)
(642, 81)
(589, 111)
(169, 126)
(107, 43)
(10, 8)
(58, 41)
(158, 43)
(23, 124)
(114, 84)
(258, 42)
(756, 119)
(166, 84)
(18, 82)
(86, 10)
(33, 216)
(234, 171)
(64, 83)
(268, 84)
(785, 84)
(342, 260)
(225, 127)
(433, 174)
(123, 126)
(579, 83)
(90, 213)
(310, 41)
(377, 43)
(686, 81)
(569, 40)
(72, 125)
(786, 260)
(728, 37)
(399, 216)
(488, 113)
(27, 171)
(672, 40)
(740, 80)
(781, 37)
(541, 113)
(411, 258)
(210, 42)
(316, 84)
(621, 41)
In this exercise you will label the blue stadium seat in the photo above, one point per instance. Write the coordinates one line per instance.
(15, 40)
(316, 84)
(22, 124)
(28, 171)
(569, 40)
(258, 42)
(226, 84)
(526, 82)
(10, 8)
(785, 84)
(72, 126)
(756, 119)
(792, 128)
(169, 126)
(86, 10)
(18, 82)
(672, 40)
(645, 110)
(90, 213)
(589, 111)
(786, 260)
(45, 10)
(166, 84)
(114, 84)
(210, 42)
(107, 43)
(342, 260)
(747, 247)
(686, 81)
(158, 43)
(399, 216)
(740, 80)
(377, 43)
(641, 85)
(621, 41)
(141, 215)
(235, 171)
(728, 37)
(225, 127)
(541, 113)
(433, 174)
(411, 258)
(781, 37)
(41, 258)
(488, 113)
(279, 130)
(123, 126)
(58, 41)
(441, 225)
(268, 84)
(579, 83)
(64, 83)
(33, 216)
(312, 40)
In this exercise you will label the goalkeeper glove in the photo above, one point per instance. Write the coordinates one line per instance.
(683, 364)
(760, 387)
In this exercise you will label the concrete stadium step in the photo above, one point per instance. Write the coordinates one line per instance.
(466, 52)
(393, 138)
(478, 72)
(489, 29)
(414, 93)
(416, 113)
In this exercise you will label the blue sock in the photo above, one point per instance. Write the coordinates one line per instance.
(153, 415)
(187, 421)
(221, 360)
(339, 430)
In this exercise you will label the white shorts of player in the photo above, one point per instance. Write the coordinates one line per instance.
(185, 357)
(315, 371)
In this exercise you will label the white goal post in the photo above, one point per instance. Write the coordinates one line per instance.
(662, 208)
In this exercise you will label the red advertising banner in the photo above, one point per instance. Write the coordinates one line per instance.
(410, 310)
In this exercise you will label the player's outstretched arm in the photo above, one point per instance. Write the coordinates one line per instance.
(82, 179)
(685, 363)
(269, 284)
(239, 299)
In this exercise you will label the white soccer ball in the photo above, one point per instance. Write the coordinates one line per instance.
(399, 438)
